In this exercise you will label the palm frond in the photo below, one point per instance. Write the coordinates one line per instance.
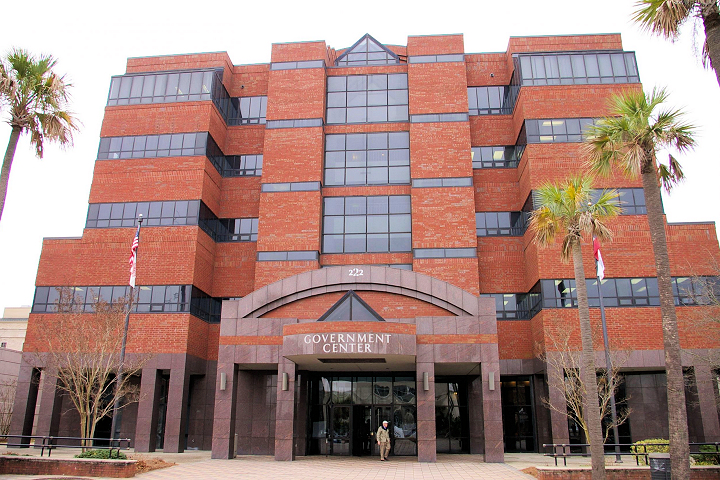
(37, 98)
(670, 174)
(568, 208)
(662, 17)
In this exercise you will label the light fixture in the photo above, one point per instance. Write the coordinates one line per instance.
(426, 381)
(491, 381)
(223, 380)
(285, 381)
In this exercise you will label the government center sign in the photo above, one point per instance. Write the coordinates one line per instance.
(349, 342)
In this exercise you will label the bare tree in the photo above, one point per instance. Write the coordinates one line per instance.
(7, 398)
(82, 350)
(563, 367)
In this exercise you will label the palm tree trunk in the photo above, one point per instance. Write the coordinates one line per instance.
(7, 163)
(677, 414)
(588, 376)
(711, 22)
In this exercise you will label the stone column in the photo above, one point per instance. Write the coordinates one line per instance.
(492, 406)
(242, 424)
(223, 445)
(285, 412)
(176, 417)
(302, 419)
(26, 395)
(426, 443)
(475, 416)
(48, 419)
(147, 413)
(708, 402)
(558, 421)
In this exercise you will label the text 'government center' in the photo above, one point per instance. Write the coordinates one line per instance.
(339, 237)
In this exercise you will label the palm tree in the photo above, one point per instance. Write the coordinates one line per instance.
(629, 140)
(665, 17)
(567, 210)
(36, 98)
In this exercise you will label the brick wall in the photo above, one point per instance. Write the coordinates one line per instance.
(75, 467)
(618, 473)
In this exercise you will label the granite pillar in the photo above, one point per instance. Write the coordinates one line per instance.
(541, 412)
(48, 419)
(147, 412)
(475, 416)
(223, 444)
(558, 421)
(708, 402)
(492, 406)
(302, 420)
(285, 412)
(426, 442)
(177, 401)
(245, 385)
(26, 395)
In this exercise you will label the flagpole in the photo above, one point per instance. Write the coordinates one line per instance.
(608, 367)
(119, 378)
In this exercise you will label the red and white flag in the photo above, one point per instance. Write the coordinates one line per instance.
(133, 257)
(598, 259)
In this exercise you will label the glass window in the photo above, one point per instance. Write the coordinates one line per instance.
(367, 99)
(367, 224)
(376, 150)
(492, 100)
(577, 68)
(367, 51)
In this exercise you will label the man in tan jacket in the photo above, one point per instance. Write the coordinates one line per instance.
(383, 440)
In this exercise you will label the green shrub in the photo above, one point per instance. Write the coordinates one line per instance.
(640, 450)
(102, 454)
(708, 456)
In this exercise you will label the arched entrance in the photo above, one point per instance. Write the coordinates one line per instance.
(280, 330)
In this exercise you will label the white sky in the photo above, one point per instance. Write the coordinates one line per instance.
(92, 40)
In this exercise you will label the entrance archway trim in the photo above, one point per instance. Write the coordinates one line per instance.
(359, 278)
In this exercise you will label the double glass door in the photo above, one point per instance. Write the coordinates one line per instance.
(346, 412)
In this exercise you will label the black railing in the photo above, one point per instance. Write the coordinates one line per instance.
(637, 450)
(51, 442)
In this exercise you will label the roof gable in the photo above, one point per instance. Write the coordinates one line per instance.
(350, 308)
(367, 51)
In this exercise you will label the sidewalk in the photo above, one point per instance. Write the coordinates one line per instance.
(198, 465)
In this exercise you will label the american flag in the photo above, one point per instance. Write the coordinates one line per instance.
(133, 257)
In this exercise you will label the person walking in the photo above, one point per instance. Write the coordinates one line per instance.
(383, 440)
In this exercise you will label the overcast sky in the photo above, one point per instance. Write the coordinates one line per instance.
(92, 41)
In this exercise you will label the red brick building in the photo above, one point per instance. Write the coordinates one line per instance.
(381, 184)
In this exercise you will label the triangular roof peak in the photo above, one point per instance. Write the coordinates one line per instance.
(367, 51)
(351, 308)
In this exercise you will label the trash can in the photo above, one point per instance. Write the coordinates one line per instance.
(659, 466)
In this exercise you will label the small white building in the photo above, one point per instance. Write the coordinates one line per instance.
(13, 326)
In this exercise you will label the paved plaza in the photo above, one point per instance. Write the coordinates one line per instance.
(198, 465)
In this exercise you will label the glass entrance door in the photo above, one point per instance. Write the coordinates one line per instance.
(362, 434)
(340, 434)
(345, 413)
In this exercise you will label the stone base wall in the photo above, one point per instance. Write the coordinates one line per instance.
(71, 467)
(618, 473)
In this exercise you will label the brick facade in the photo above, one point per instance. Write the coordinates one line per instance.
(191, 355)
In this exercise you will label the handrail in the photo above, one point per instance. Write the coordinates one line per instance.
(563, 450)
(49, 442)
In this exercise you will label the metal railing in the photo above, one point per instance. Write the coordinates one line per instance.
(51, 442)
(637, 450)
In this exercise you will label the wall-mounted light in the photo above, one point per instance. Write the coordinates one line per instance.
(491, 381)
(285, 381)
(426, 381)
(223, 380)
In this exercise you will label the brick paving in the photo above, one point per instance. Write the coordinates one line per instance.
(334, 467)
(448, 467)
